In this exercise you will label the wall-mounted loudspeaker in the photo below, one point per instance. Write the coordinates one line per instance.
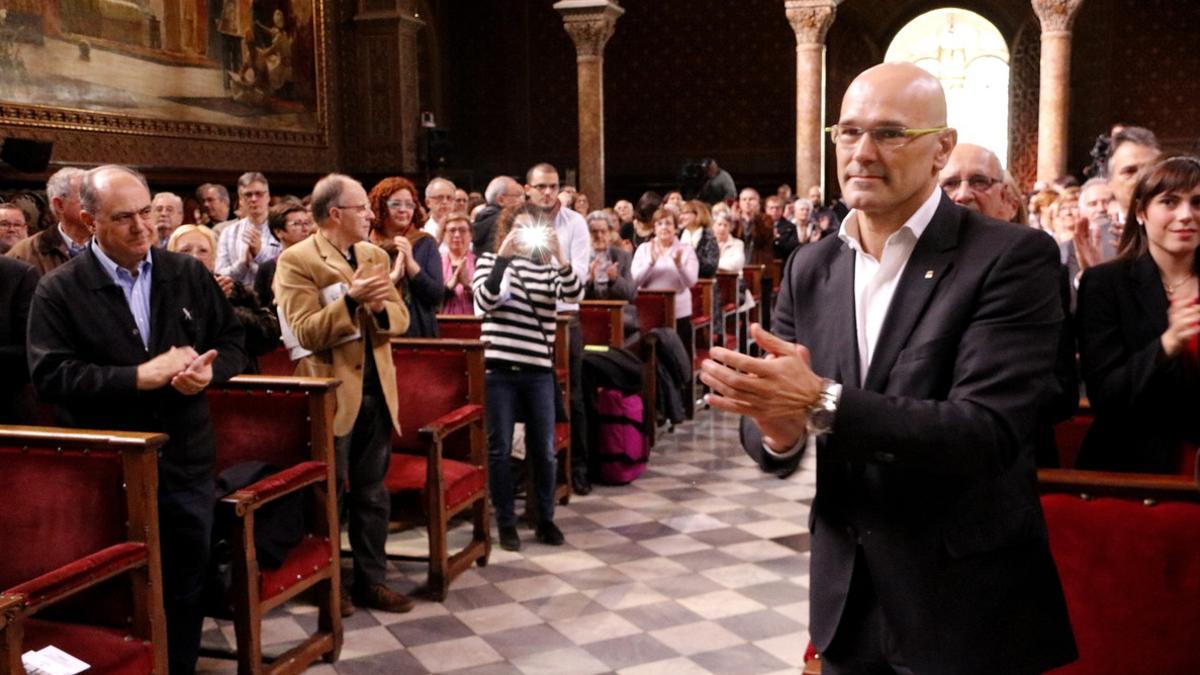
(28, 156)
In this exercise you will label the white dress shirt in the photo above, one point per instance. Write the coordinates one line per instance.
(875, 280)
(433, 228)
(572, 232)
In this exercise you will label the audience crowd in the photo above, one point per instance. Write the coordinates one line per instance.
(525, 249)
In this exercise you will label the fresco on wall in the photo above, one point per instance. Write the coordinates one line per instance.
(248, 63)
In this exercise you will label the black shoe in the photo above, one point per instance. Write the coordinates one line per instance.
(548, 533)
(580, 484)
(509, 541)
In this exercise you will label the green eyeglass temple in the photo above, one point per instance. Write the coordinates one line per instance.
(909, 133)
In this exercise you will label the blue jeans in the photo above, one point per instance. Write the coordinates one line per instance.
(514, 396)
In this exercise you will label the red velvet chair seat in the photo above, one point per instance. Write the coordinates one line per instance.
(309, 557)
(407, 473)
(1131, 576)
(106, 650)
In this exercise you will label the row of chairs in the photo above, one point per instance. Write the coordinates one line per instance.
(83, 573)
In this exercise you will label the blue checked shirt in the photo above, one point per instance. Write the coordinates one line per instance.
(135, 288)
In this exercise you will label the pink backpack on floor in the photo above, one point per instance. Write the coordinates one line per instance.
(620, 448)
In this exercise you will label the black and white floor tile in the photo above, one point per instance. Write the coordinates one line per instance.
(699, 566)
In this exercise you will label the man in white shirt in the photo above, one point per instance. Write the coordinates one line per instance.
(541, 189)
(247, 243)
(439, 199)
(914, 353)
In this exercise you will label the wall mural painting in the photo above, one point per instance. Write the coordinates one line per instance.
(175, 66)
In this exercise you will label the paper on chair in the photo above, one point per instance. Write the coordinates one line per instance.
(52, 661)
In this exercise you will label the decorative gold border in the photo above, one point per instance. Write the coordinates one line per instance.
(73, 119)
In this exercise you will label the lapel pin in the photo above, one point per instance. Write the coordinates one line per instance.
(928, 274)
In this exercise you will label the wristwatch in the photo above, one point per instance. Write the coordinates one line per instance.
(822, 412)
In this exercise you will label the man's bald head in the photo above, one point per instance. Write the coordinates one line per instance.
(897, 89)
(892, 142)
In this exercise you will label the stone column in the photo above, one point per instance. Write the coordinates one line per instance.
(590, 23)
(1056, 17)
(810, 20)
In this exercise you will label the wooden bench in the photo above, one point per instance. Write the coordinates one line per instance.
(439, 463)
(735, 324)
(287, 423)
(80, 538)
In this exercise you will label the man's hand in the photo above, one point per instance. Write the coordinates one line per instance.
(613, 272)
(253, 239)
(776, 391)
(193, 379)
(370, 287)
(1086, 250)
(158, 371)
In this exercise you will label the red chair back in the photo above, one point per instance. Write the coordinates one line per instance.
(260, 424)
(656, 309)
(727, 283)
(458, 327)
(433, 378)
(601, 322)
(1131, 576)
(276, 362)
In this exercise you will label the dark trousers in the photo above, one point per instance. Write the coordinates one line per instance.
(531, 396)
(864, 643)
(185, 520)
(579, 431)
(362, 457)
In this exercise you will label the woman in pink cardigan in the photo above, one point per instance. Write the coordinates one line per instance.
(666, 263)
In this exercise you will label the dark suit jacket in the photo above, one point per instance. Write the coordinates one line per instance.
(928, 471)
(17, 281)
(1145, 403)
(84, 351)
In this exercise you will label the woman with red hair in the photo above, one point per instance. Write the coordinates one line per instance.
(416, 262)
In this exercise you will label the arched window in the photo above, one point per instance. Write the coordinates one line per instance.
(968, 55)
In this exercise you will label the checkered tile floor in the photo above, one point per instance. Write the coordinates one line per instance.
(699, 566)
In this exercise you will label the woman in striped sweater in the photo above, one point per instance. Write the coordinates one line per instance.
(517, 288)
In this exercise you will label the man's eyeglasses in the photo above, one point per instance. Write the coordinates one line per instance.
(439, 198)
(11, 224)
(886, 136)
(251, 194)
(976, 183)
(361, 208)
(398, 205)
(545, 187)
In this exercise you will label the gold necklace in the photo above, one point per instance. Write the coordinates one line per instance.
(1170, 288)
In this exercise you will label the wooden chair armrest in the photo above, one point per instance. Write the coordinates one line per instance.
(80, 574)
(1146, 486)
(450, 422)
(701, 320)
(607, 304)
(11, 605)
(276, 485)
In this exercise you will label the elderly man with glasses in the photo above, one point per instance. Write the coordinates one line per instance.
(973, 178)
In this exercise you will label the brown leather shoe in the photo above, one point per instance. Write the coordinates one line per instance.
(385, 599)
(348, 607)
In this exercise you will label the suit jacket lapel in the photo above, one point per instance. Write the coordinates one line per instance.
(839, 331)
(929, 263)
(1152, 298)
(333, 257)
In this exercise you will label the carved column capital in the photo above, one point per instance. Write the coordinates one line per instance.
(590, 23)
(810, 19)
(1056, 16)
